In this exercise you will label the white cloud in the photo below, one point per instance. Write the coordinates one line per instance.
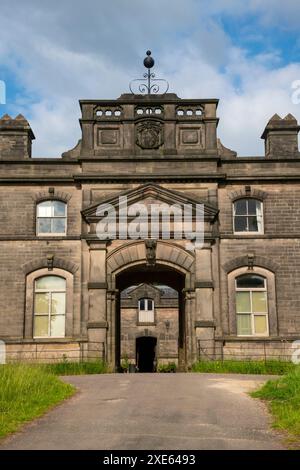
(63, 51)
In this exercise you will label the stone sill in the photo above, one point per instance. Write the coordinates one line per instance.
(45, 341)
(268, 339)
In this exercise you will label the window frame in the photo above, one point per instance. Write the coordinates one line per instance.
(248, 232)
(49, 314)
(52, 217)
(252, 313)
(230, 329)
(71, 310)
(146, 300)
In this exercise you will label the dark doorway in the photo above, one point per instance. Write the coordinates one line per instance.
(145, 353)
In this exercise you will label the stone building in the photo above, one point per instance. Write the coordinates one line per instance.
(238, 294)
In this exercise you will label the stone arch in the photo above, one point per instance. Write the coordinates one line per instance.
(135, 253)
(130, 259)
(247, 193)
(55, 262)
(257, 260)
(55, 195)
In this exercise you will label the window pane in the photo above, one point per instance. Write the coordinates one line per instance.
(252, 206)
(142, 304)
(146, 316)
(59, 208)
(252, 224)
(260, 324)
(259, 302)
(44, 226)
(243, 302)
(250, 280)
(244, 325)
(41, 326)
(58, 304)
(41, 303)
(50, 283)
(240, 223)
(44, 209)
(58, 226)
(57, 325)
(241, 207)
(150, 304)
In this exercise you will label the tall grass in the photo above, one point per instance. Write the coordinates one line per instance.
(26, 392)
(272, 367)
(77, 368)
(283, 397)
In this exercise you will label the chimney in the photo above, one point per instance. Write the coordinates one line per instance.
(15, 138)
(281, 137)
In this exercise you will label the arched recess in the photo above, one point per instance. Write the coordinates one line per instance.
(29, 299)
(127, 265)
(271, 296)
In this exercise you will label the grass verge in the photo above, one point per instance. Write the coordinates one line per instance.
(271, 367)
(77, 368)
(26, 392)
(283, 398)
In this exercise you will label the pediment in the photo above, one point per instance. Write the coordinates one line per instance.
(149, 194)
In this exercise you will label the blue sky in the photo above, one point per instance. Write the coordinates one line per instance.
(53, 53)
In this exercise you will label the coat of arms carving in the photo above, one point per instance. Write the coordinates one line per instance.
(149, 135)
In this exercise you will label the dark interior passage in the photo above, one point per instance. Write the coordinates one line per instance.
(145, 353)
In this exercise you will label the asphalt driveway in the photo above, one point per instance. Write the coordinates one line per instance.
(154, 411)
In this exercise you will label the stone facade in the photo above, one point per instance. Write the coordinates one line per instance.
(160, 149)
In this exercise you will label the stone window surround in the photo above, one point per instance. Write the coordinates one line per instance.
(51, 195)
(245, 193)
(262, 231)
(29, 301)
(271, 296)
(65, 217)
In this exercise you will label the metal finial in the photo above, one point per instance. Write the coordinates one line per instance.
(149, 61)
(149, 84)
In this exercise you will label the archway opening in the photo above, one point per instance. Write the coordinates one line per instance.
(150, 309)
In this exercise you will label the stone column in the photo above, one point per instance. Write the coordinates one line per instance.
(113, 336)
(97, 287)
(189, 329)
(204, 314)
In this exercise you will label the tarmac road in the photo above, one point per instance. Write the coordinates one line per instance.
(154, 411)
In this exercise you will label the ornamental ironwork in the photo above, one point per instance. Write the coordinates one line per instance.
(149, 84)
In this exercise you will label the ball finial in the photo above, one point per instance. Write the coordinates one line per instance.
(148, 61)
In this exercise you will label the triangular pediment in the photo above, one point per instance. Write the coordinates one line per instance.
(149, 194)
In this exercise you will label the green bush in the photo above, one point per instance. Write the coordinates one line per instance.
(283, 397)
(26, 392)
(272, 367)
(170, 367)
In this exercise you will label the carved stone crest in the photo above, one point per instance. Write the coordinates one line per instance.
(150, 245)
(149, 135)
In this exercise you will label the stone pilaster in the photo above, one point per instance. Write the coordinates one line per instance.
(97, 319)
